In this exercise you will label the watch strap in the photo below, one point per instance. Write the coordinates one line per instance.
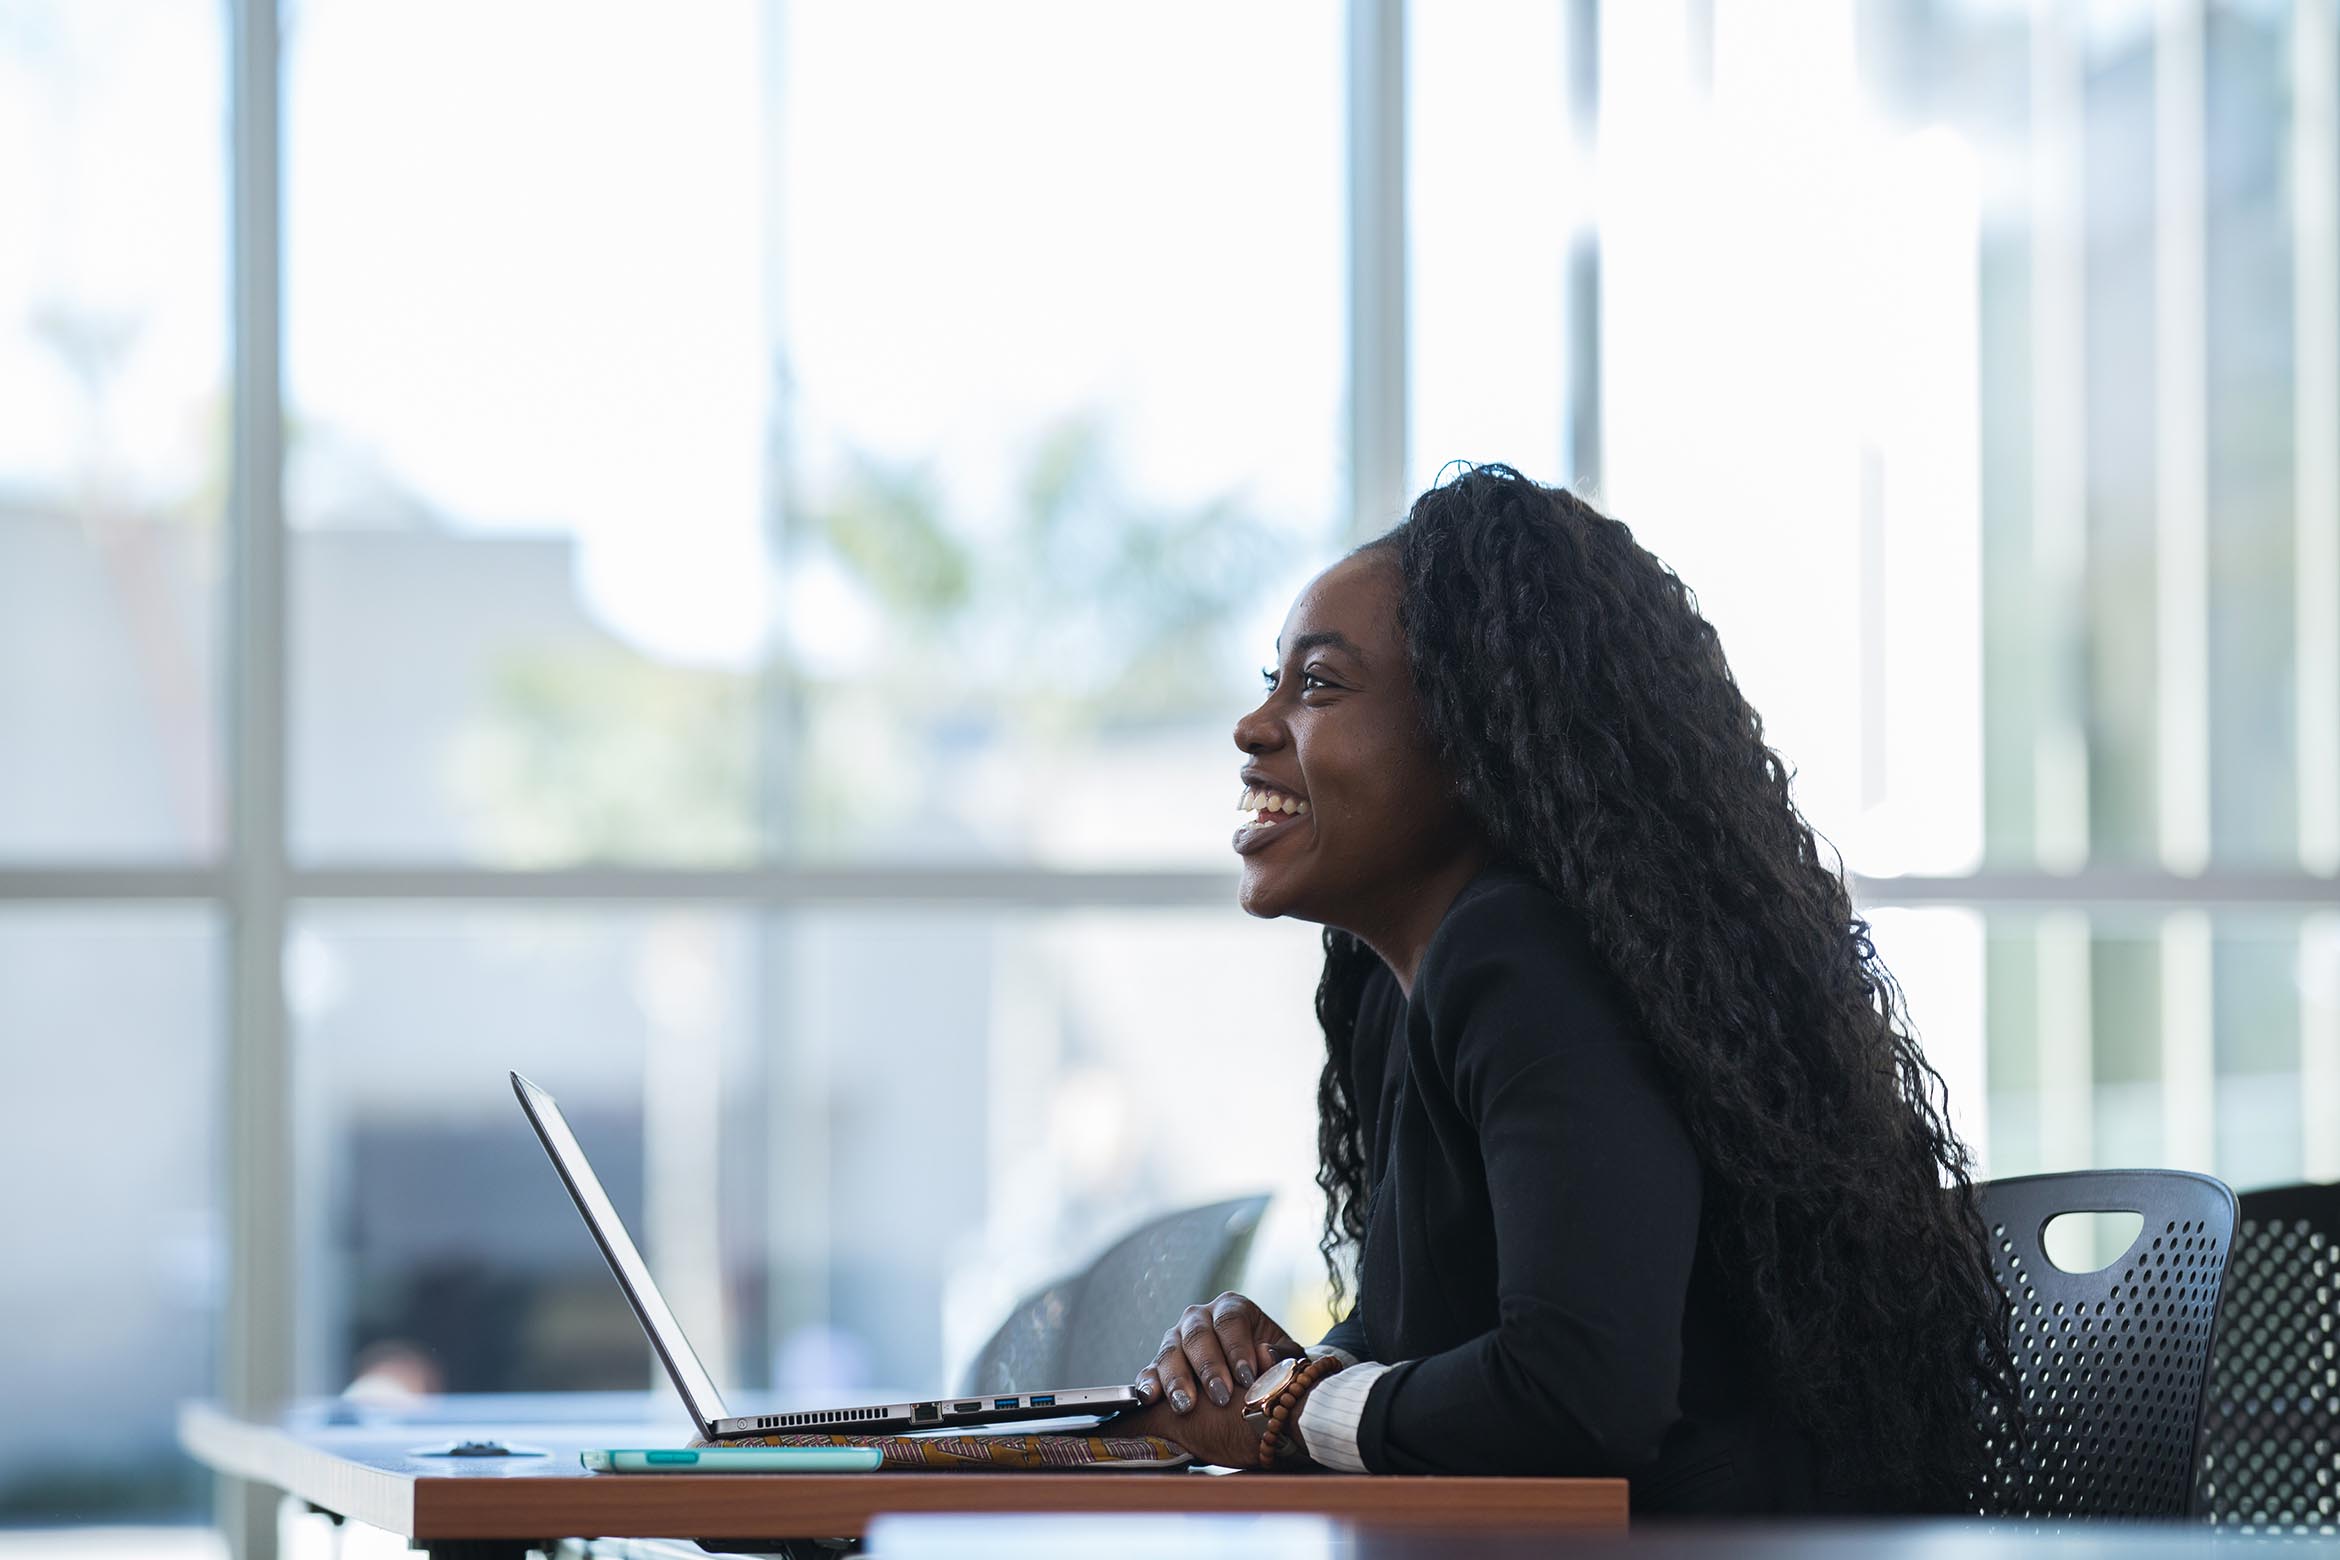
(1279, 1441)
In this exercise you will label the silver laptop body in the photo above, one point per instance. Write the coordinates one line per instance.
(691, 1378)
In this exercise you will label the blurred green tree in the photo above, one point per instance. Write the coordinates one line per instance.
(1087, 608)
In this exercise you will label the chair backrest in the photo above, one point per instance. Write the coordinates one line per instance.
(2113, 1362)
(1102, 1324)
(2271, 1427)
(1135, 1291)
(1026, 1353)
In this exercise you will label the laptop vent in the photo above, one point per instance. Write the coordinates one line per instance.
(791, 1421)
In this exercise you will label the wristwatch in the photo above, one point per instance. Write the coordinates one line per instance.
(1271, 1407)
(1263, 1389)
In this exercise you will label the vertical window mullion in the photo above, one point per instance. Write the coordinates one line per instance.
(1582, 318)
(2059, 519)
(2064, 1013)
(2181, 439)
(2181, 498)
(2315, 229)
(257, 1355)
(1376, 455)
(2315, 237)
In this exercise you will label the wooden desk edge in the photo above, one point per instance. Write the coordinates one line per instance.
(841, 1505)
(269, 1455)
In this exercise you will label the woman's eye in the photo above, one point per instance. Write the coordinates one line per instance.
(1305, 679)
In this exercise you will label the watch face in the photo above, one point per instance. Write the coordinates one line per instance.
(1270, 1382)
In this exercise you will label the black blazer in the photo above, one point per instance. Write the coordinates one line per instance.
(1536, 1247)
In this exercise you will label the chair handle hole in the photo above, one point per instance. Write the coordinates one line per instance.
(2089, 1240)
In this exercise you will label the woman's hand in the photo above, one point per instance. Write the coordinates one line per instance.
(1213, 1353)
(1210, 1433)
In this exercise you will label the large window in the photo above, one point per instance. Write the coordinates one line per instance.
(780, 509)
(113, 473)
(849, 1138)
(670, 489)
(113, 416)
(746, 472)
(111, 1292)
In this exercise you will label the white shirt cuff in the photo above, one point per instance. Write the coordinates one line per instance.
(1337, 1352)
(1329, 1415)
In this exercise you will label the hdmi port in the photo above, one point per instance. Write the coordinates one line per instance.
(965, 1408)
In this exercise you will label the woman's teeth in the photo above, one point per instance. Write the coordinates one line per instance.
(1269, 805)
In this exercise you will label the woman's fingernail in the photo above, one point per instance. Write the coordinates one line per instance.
(1243, 1372)
(1218, 1392)
(1180, 1401)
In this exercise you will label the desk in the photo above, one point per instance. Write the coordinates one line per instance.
(495, 1508)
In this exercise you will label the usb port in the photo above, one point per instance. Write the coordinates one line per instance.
(1003, 1402)
(1043, 1400)
(965, 1408)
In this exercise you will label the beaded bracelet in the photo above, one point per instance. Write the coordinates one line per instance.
(1286, 1404)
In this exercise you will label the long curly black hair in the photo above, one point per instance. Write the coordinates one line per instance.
(1593, 729)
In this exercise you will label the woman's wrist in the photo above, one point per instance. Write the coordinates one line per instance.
(1292, 1449)
(1273, 1407)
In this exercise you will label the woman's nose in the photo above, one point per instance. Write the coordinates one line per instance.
(1255, 731)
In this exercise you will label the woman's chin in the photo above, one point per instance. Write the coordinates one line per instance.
(1263, 892)
(1257, 893)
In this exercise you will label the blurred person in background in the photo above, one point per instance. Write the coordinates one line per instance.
(1622, 1119)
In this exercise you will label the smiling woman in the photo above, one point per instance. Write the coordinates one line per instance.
(1387, 847)
(1645, 1174)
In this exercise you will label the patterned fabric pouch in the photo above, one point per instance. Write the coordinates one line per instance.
(997, 1453)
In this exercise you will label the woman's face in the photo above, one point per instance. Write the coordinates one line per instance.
(1341, 730)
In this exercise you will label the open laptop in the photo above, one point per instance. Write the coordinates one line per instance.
(691, 1378)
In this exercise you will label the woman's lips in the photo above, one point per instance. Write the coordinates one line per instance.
(1257, 835)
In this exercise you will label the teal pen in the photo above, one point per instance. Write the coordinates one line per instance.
(735, 1459)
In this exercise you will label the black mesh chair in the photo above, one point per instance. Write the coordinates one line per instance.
(1100, 1325)
(2271, 1428)
(2112, 1362)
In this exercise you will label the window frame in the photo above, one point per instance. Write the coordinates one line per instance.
(255, 886)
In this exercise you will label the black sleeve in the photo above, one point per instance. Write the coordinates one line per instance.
(1594, 1191)
(1349, 1333)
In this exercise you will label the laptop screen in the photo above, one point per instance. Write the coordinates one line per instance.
(666, 1334)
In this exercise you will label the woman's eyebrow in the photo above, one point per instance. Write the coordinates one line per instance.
(1329, 638)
